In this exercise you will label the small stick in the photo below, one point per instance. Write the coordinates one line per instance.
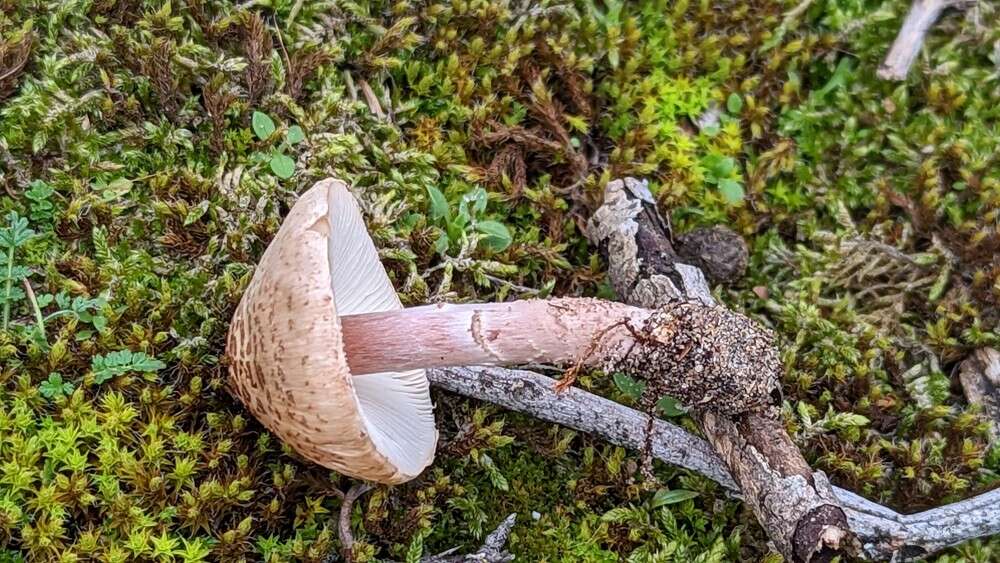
(34, 306)
(884, 533)
(344, 521)
(980, 377)
(922, 15)
(371, 99)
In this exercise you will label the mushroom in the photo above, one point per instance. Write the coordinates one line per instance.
(323, 354)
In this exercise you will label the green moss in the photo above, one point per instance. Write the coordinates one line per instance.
(477, 135)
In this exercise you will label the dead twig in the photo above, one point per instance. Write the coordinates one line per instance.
(344, 520)
(884, 533)
(492, 550)
(980, 377)
(795, 505)
(921, 17)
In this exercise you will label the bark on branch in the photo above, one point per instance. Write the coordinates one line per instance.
(921, 17)
(795, 506)
(884, 533)
(980, 377)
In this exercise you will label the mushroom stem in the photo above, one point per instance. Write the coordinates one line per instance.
(701, 355)
(590, 332)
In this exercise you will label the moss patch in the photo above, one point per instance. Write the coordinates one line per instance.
(139, 192)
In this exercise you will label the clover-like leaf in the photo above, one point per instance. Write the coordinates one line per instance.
(670, 407)
(295, 135)
(627, 385)
(497, 236)
(731, 191)
(282, 165)
(263, 125)
(55, 387)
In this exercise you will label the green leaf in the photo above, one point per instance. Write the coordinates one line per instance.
(282, 165)
(40, 191)
(116, 189)
(838, 79)
(196, 213)
(497, 236)
(55, 387)
(731, 191)
(263, 125)
(718, 166)
(734, 103)
(295, 135)
(627, 385)
(439, 204)
(107, 367)
(17, 233)
(664, 497)
(617, 515)
(670, 407)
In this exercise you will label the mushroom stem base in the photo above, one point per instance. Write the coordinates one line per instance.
(702, 355)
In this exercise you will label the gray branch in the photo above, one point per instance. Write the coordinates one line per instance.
(801, 511)
(794, 504)
(980, 378)
(492, 550)
(921, 17)
(884, 533)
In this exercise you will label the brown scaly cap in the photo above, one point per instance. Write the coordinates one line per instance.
(287, 362)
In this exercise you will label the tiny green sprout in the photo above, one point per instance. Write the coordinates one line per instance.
(121, 362)
(12, 237)
(722, 171)
(263, 125)
(456, 227)
(54, 387)
(282, 165)
(734, 103)
(80, 308)
(42, 209)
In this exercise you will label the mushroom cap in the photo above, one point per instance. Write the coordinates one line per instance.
(286, 352)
